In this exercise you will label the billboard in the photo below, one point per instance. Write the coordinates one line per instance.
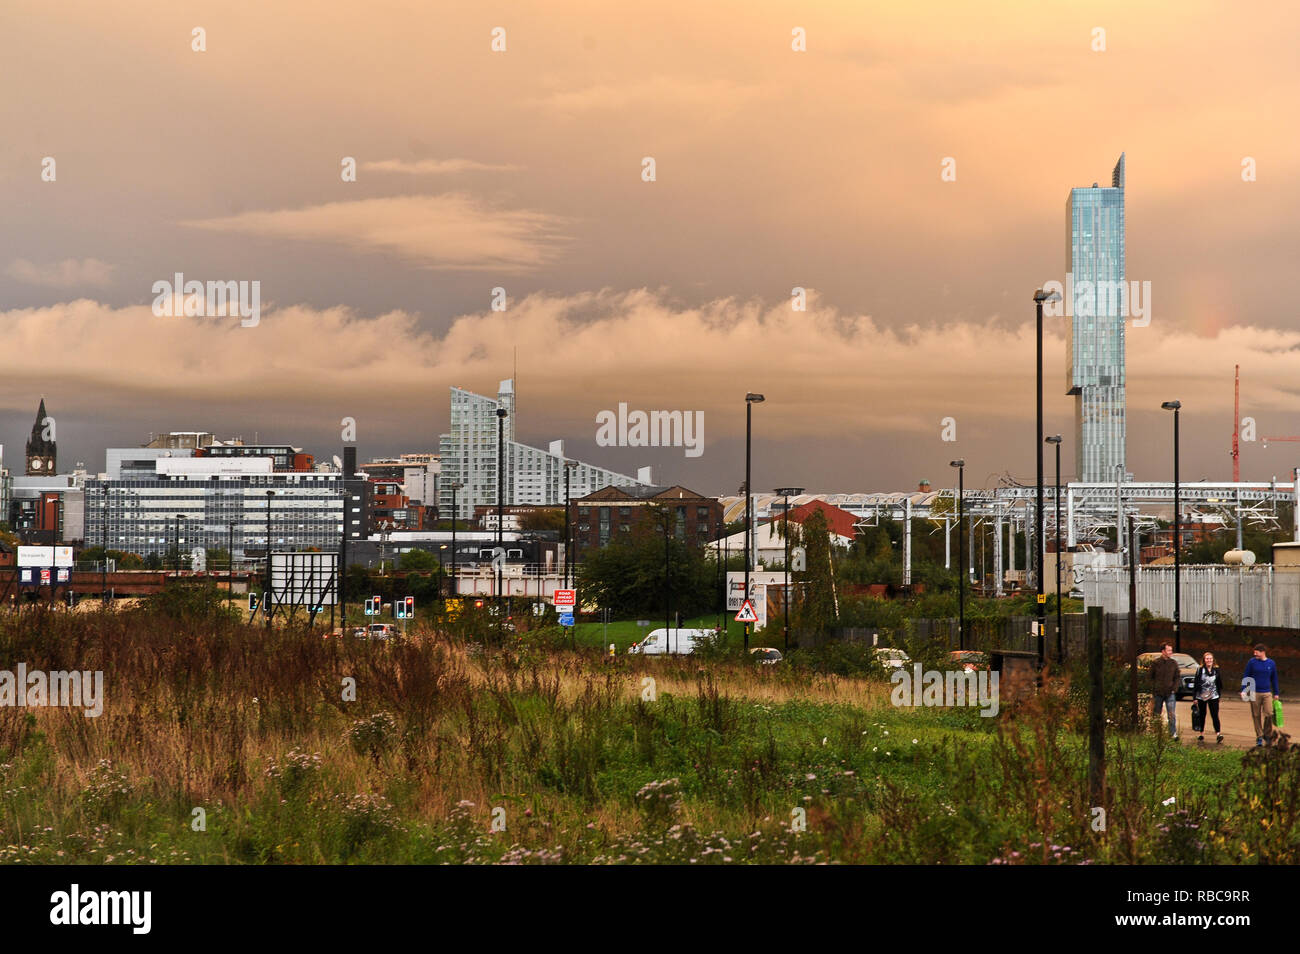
(45, 556)
(303, 579)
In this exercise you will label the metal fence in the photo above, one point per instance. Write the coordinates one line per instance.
(1251, 596)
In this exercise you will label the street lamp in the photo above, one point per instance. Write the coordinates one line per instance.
(960, 464)
(230, 562)
(750, 400)
(1040, 297)
(1060, 652)
(179, 518)
(455, 587)
(1175, 406)
(569, 465)
(266, 595)
(787, 493)
(501, 491)
(103, 545)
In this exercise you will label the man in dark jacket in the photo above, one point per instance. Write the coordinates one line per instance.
(1164, 687)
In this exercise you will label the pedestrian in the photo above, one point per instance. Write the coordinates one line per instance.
(1206, 689)
(1165, 676)
(1259, 687)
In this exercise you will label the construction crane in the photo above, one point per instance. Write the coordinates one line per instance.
(1236, 427)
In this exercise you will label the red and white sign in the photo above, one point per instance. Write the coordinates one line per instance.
(747, 614)
(566, 597)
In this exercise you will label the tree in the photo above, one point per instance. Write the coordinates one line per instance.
(817, 611)
(543, 521)
(419, 560)
(628, 576)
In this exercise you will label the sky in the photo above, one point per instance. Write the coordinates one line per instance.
(523, 169)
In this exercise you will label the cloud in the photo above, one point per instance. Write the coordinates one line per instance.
(68, 273)
(449, 231)
(827, 375)
(434, 167)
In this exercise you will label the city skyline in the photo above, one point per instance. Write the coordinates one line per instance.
(821, 170)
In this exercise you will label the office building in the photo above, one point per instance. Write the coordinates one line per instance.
(215, 503)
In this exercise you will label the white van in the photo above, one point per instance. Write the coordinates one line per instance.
(680, 642)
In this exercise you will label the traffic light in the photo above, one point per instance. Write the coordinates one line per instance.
(478, 604)
(410, 607)
(399, 609)
(252, 602)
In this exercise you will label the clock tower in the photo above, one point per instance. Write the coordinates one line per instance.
(42, 453)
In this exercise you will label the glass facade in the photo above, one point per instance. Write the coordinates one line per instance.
(1095, 336)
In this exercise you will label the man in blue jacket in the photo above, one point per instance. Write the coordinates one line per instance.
(1259, 687)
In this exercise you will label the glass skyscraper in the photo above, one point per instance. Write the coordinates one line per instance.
(1094, 222)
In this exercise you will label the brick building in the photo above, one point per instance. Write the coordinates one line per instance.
(612, 512)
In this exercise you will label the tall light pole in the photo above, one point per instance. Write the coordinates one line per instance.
(501, 498)
(1175, 406)
(230, 562)
(750, 400)
(266, 595)
(668, 580)
(960, 464)
(1040, 297)
(1060, 651)
(455, 585)
(179, 518)
(569, 465)
(787, 493)
(103, 545)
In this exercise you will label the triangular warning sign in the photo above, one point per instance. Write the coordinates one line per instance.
(747, 614)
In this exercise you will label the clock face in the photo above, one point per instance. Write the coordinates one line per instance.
(36, 465)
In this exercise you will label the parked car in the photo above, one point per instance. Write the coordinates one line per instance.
(970, 660)
(1186, 671)
(766, 655)
(676, 642)
(890, 658)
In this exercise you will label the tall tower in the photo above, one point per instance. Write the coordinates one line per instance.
(1094, 238)
(42, 453)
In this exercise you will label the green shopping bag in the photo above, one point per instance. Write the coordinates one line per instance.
(1277, 713)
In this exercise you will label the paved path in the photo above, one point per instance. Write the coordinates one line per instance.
(1238, 729)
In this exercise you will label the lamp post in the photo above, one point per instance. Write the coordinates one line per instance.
(179, 518)
(787, 493)
(750, 400)
(668, 579)
(455, 586)
(1175, 406)
(569, 465)
(960, 464)
(230, 562)
(103, 545)
(266, 594)
(1060, 651)
(501, 497)
(1040, 297)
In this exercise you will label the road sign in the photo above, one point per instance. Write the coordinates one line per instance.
(1042, 597)
(747, 614)
(566, 597)
(566, 619)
